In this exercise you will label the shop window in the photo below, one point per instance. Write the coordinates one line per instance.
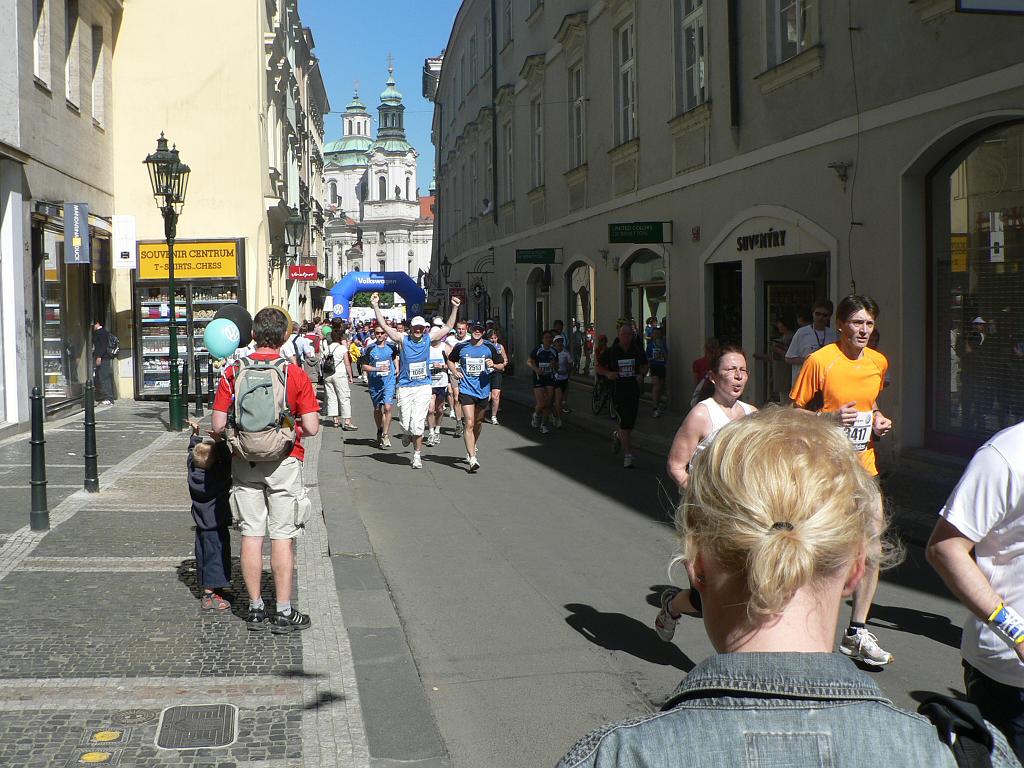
(646, 294)
(791, 28)
(977, 299)
(579, 288)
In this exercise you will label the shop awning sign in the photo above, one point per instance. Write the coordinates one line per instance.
(640, 232)
(76, 233)
(536, 255)
(1014, 7)
(193, 259)
(302, 272)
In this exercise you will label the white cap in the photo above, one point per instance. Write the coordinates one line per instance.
(978, 320)
(419, 321)
(438, 322)
(560, 338)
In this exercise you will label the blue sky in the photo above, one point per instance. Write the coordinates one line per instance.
(353, 41)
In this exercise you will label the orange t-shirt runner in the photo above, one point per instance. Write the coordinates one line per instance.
(841, 380)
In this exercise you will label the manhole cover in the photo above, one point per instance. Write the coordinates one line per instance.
(195, 727)
(134, 716)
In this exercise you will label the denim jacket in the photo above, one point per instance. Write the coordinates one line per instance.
(768, 710)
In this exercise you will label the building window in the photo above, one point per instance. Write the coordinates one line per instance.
(488, 191)
(408, 182)
(693, 79)
(474, 73)
(537, 140)
(488, 39)
(625, 84)
(99, 77)
(535, 4)
(462, 77)
(474, 198)
(333, 187)
(792, 27)
(382, 188)
(506, 22)
(577, 117)
(41, 40)
(510, 185)
(72, 56)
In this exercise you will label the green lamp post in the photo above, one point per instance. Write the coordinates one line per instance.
(168, 177)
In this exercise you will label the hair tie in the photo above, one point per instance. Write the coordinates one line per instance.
(782, 526)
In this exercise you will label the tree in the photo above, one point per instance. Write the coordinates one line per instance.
(362, 299)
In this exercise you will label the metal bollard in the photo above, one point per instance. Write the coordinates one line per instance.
(209, 380)
(184, 385)
(39, 517)
(199, 392)
(92, 480)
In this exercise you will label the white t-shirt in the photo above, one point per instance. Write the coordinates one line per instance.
(987, 506)
(564, 366)
(807, 340)
(297, 346)
(339, 352)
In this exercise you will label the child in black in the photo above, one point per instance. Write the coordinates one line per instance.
(209, 485)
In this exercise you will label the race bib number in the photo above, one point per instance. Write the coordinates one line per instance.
(860, 431)
(544, 368)
(475, 366)
(383, 367)
(418, 371)
(437, 377)
(627, 369)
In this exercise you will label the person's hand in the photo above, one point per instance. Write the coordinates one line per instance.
(1019, 650)
(489, 364)
(456, 302)
(881, 424)
(459, 376)
(195, 426)
(847, 414)
(374, 299)
(99, 361)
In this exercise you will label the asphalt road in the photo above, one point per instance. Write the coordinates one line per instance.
(526, 591)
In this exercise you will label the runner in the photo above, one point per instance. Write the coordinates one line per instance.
(625, 364)
(848, 377)
(543, 361)
(377, 365)
(565, 366)
(461, 335)
(496, 376)
(471, 364)
(729, 375)
(414, 391)
(439, 385)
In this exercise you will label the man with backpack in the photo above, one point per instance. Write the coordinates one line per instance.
(105, 347)
(264, 406)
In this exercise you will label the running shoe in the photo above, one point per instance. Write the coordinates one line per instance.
(627, 461)
(657, 413)
(385, 441)
(863, 646)
(212, 601)
(406, 439)
(256, 619)
(665, 623)
(612, 412)
(417, 462)
(545, 429)
(494, 420)
(293, 622)
(566, 410)
(458, 429)
(616, 441)
(535, 421)
(474, 465)
(558, 422)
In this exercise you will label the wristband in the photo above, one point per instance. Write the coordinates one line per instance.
(1008, 624)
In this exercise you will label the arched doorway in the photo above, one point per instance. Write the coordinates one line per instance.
(580, 302)
(646, 288)
(975, 201)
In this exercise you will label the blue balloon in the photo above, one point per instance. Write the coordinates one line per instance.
(221, 337)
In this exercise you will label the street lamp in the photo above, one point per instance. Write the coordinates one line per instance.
(446, 270)
(294, 231)
(168, 177)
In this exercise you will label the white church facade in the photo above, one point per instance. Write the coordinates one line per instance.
(376, 219)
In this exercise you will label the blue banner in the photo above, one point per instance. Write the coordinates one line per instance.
(76, 233)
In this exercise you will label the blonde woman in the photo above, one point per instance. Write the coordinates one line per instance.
(776, 525)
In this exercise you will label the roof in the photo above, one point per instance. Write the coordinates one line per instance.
(352, 144)
(392, 144)
(427, 207)
(391, 95)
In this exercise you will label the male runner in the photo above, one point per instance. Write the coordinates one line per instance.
(439, 385)
(471, 363)
(848, 376)
(625, 364)
(461, 335)
(377, 363)
(543, 361)
(414, 379)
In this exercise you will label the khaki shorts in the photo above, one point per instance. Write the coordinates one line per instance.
(268, 498)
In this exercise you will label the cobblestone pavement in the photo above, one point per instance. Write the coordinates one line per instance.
(102, 628)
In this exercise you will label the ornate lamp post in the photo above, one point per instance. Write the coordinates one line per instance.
(294, 231)
(446, 270)
(168, 177)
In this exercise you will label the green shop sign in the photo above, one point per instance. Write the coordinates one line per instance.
(640, 232)
(536, 255)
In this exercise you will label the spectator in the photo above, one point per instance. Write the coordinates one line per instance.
(103, 374)
(209, 485)
(657, 356)
(774, 693)
(810, 338)
(337, 385)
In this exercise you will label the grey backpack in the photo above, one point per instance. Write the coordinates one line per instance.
(260, 425)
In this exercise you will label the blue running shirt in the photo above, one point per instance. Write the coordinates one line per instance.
(382, 357)
(546, 359)
(472, 359)
(415, 357)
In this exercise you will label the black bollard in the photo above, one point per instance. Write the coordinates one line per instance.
(184, 385)
(39, 517)
(209, 380)
(199, 391)
(92, 480)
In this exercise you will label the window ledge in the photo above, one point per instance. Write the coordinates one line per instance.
(625, 150)
(536, 194)
(803, 64)
(933, 9)
(536, 13)
(72, 106)
(98, 125)
(41, 85)
(692, 118)
(574, 175)
(506, 47)
(507, 208)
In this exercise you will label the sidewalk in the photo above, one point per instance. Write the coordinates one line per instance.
(103, 632)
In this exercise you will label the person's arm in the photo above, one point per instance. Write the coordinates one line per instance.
(602, 371)
(793, 354)
(438, 333)
(531, 362)
(452, 361)
(688, 437)
(383, 321)
(880, 423)
(949, 552)
(497, 360)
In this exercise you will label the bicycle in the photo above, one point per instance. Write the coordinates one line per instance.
(602, 396)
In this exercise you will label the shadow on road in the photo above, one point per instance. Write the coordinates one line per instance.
(618, 632)
(932, 625)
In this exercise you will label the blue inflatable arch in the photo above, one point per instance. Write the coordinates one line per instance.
(384, 282)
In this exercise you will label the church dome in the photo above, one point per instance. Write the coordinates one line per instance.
(391, 95)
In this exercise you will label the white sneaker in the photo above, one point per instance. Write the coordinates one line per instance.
(665, 623)
(494, 420)
(385, 442)
(469, 459)
(535, 421)
(474, 465)
(417, 462)
(616, 441)
(558, 422)
(545, 429)
(627, 461)
(863, 646)
(657, 413)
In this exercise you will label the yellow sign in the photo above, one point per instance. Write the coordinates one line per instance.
(958, 245)
(192, 259)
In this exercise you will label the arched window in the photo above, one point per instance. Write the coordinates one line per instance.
(407, 182)
(645, 287)
(349, 131)
(334, 192)
(382, 188)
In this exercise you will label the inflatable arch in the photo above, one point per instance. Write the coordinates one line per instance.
(385, 282)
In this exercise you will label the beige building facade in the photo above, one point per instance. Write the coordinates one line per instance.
(718, 167)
